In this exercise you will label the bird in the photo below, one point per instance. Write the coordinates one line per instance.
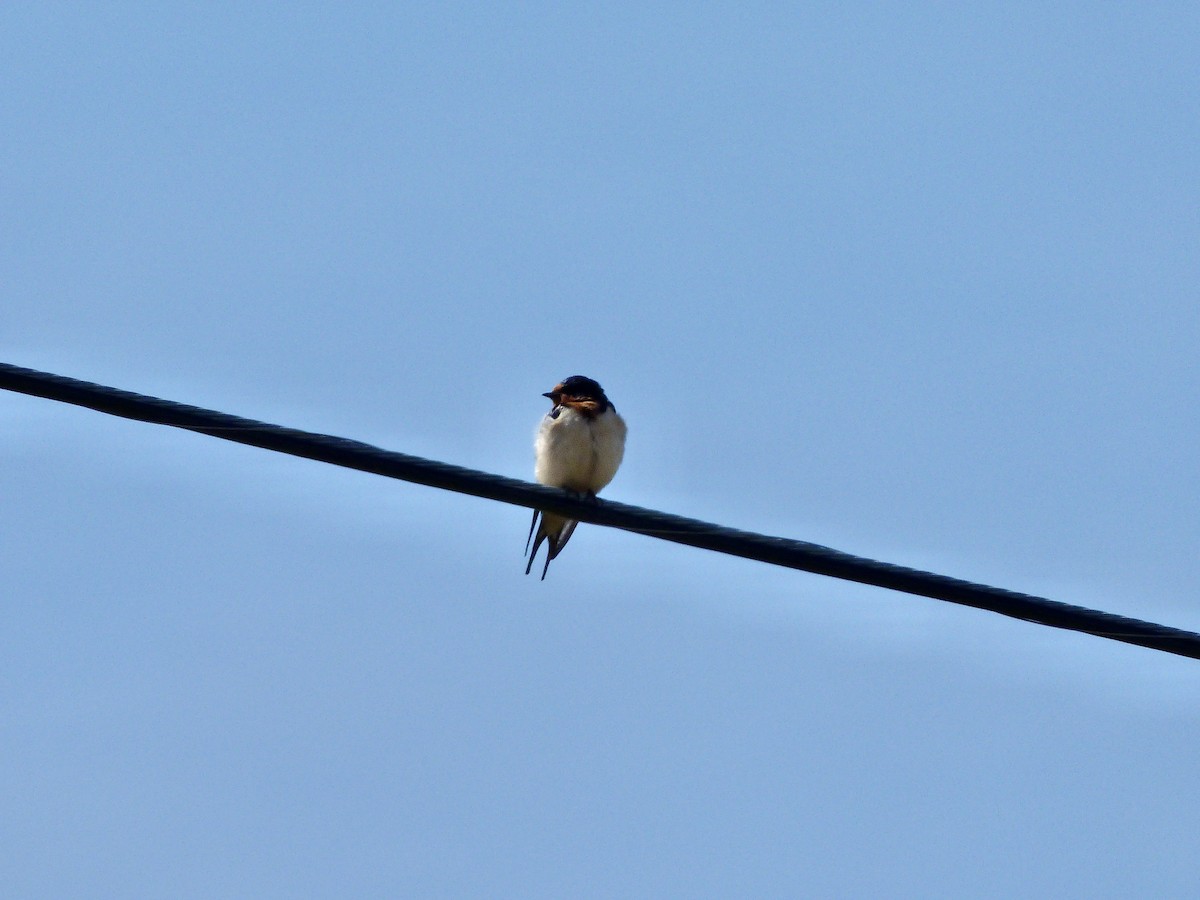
(579, 446)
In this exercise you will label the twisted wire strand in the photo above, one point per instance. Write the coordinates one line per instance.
(778, 551)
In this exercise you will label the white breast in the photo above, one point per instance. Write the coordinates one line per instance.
(578, 453)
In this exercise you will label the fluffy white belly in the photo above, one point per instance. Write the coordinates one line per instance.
(578, 453)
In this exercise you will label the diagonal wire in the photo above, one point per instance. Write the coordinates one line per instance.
(705, 535)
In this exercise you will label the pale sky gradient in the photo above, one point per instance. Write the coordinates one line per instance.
(915, 281)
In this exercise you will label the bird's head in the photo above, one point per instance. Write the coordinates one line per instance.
(581, 394)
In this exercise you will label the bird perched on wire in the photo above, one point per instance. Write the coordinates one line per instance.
(579, 446)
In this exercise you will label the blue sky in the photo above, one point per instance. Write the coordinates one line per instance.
(914, 281)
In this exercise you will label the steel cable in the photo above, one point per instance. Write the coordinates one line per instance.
(705, 535)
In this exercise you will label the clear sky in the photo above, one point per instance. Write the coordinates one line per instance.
(915, 281)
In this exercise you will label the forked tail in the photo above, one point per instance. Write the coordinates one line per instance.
(554, 530)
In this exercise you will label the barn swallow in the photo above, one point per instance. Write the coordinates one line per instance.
(579, 446)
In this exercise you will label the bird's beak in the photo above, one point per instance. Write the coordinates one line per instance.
(549, 394)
